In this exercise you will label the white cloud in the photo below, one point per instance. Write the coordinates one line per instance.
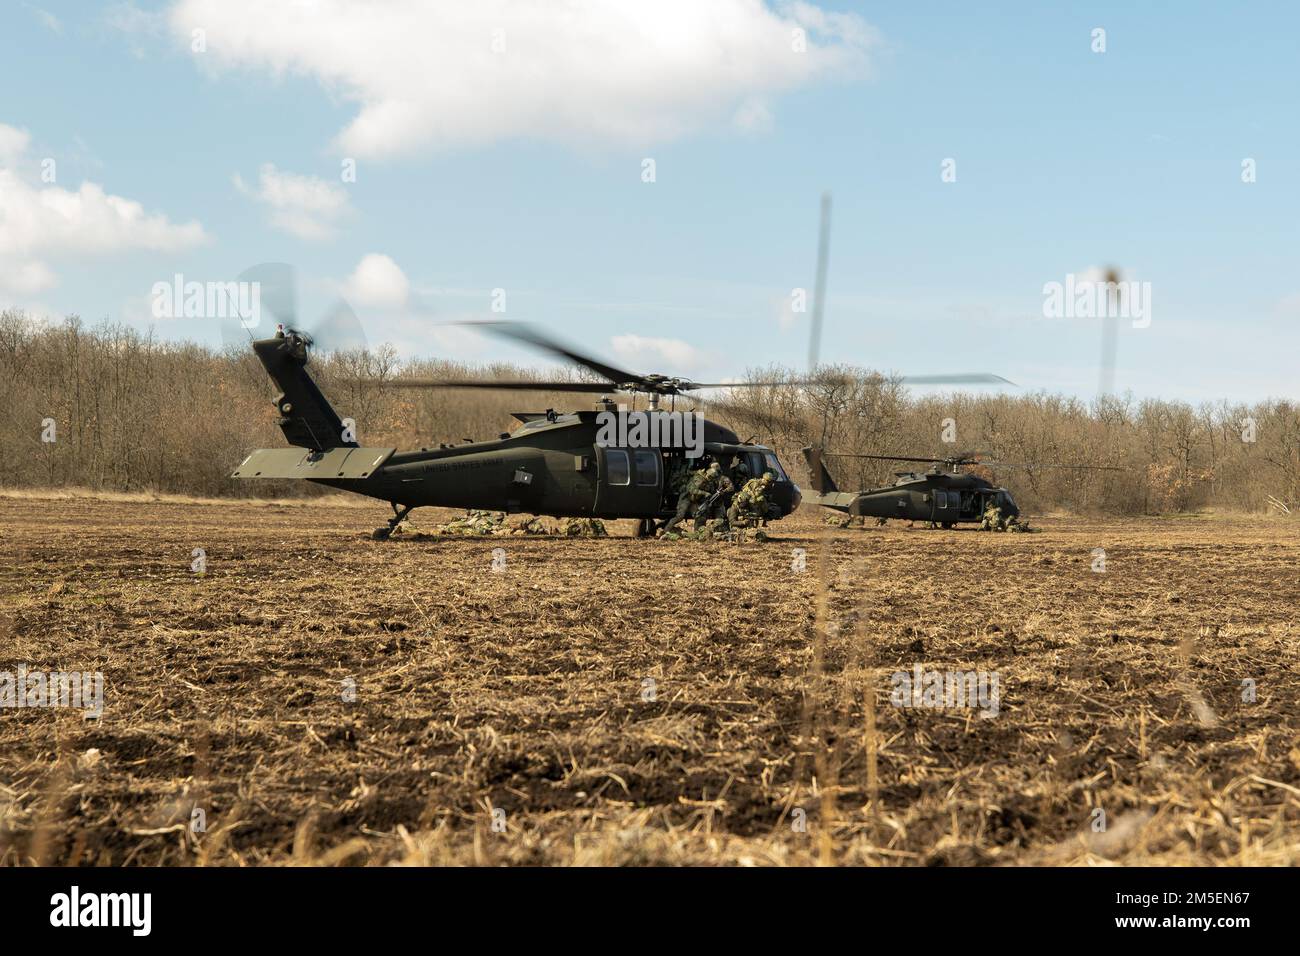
(48, 20)
(608, 71)
(786, 317)
(667, 356)
(754, 116)
(377, 282)
(135, 24)
(304, 206)
(38, 222)
(26, 278)
(13, 144)
(1288, 306)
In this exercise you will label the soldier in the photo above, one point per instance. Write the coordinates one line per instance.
(691, 495)
(992, 520)
(717, 492)
(678, 476)
(750, 506)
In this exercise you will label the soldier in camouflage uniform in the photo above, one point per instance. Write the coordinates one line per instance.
(718, 490)
(679, 475)
(690, 495)
(749, 507)
(992, 520)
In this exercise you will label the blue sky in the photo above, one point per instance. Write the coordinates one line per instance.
(521, 169)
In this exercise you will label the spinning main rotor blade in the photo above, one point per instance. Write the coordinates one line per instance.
(1013, 464)
(618, 379)
(971, 458)
(832, 454)
(964, 378)
(512, 385)
(692, 386)
(819, 310)
(819, 290)
(530, 335)
(561, 386)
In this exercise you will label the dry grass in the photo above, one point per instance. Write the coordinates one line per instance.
(524, 691)
(72, 493)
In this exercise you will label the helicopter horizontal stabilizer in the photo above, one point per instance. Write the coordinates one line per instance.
(336, 463)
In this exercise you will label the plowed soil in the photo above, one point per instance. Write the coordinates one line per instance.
(318, 697)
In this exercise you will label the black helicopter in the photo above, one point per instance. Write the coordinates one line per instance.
(943, 495)
(601, 463)
(557, 464)
(571, 464)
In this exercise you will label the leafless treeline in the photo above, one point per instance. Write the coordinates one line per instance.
(1171, 456)
(133, 413)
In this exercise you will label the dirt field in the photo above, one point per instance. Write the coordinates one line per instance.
(324, 698)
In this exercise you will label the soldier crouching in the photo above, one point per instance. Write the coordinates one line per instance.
(749, 507)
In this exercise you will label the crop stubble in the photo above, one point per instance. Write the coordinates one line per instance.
(529, 691)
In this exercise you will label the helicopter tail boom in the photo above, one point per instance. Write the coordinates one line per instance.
(306, 418)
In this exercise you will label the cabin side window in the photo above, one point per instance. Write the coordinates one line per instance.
(941, 498)
(647, 468)
(616, 467)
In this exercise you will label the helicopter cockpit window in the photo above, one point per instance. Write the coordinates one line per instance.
(616, 467)
(647, 468)
(774, 466)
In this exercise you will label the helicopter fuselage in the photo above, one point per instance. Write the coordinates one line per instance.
(552, 464)
(545, 467)
(942, 497)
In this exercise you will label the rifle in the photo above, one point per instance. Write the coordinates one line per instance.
(707, 505)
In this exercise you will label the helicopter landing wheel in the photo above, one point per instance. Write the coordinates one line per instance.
(947, 526)
(399, 513)
(645, 528)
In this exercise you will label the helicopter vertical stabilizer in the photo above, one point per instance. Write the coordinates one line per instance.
(306, 418)
(824, 490)
(821, 479)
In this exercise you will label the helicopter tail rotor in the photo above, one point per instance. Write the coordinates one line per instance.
(275, 296)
